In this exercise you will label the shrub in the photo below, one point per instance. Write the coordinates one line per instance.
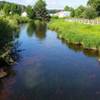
(90, 13)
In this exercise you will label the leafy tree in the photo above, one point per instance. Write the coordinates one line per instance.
(90, 2)
(72, 13)
(30, 12)
(67, 8)
(40, 10)
(95, 4)
(7, 8)
(89, 13)
(11, 7)
(16, 9)
(79, 11)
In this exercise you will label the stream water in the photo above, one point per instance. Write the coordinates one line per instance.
(49, 69)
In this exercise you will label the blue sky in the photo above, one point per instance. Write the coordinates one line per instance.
(53, 4)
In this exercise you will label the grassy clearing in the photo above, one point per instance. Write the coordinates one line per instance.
(77, 33)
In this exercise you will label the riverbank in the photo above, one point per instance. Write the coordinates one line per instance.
(76, 33)
(9, 30)
(11, 23)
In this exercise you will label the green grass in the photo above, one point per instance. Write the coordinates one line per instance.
(77, 33)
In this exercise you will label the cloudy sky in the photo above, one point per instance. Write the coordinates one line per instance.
(53, 4)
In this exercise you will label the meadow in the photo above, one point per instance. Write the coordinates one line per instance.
(77, 33)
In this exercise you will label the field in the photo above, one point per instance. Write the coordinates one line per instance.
(73, 32)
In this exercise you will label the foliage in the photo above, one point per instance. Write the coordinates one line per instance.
(30, 11)
(95, 4)
(11, 8)
(55, 17)
(67, 8)
(79, 11)
(6, 8)
(87, 35)
(72, 13)
(7, 27)
(40, 10)
(20, 19)
(90, 13)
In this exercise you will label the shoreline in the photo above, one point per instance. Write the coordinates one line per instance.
(88, 39)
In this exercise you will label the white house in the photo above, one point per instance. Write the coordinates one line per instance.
(24, 14)
(62, 14)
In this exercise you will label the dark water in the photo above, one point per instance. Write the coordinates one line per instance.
(49, 69)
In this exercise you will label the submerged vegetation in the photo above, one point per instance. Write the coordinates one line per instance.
(86, 35)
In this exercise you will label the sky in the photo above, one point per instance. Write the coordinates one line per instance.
(53, 4)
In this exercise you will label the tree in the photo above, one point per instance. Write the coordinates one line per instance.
(72, 13)
(40, 10)
(79, 11)
(90, 2)
(95, 4)
(7, 8)
(90, 13)
(30, 12)
(67, 8)
(16, 9)
(11, 7)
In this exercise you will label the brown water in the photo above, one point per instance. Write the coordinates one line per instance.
(49, 69)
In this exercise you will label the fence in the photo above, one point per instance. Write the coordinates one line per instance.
(84, 21)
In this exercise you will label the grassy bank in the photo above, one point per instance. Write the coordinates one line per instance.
(86, 35)
(8, 24)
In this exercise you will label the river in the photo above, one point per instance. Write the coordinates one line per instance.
(47, 68)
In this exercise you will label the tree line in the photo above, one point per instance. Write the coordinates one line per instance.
(38, 11)
(11, 8)
(92, 10)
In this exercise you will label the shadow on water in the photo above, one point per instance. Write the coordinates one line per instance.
(79, 48)
(39, 28)
(8, 43)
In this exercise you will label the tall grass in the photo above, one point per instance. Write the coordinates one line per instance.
(77, 33)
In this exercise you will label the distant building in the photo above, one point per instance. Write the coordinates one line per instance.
(61, 14)
(24, 14)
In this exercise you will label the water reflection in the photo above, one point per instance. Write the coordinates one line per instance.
(31, 29)
(57, 73)
(79, 48)
(37, 27)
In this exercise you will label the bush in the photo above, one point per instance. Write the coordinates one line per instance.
(20, 19)
(90, 13)
(7, 27)
(54, 17)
